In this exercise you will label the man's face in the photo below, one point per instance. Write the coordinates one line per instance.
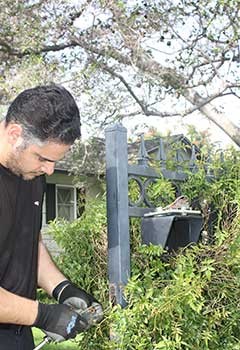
(36, 160)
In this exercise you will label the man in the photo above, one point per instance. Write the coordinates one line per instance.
(40, 126)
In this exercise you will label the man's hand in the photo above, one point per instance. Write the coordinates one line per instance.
(59, 322)
(82, 302)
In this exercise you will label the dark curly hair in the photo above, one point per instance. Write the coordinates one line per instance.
(46, 113)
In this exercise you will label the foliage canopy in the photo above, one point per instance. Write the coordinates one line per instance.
(126, 58)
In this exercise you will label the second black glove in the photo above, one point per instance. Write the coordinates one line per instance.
(60, 322)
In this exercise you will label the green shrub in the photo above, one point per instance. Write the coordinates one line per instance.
(84, 244)
(84, 260)
(186, 301)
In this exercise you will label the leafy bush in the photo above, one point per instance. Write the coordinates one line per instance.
(84, 244)
(84, 260)
(217, 191)
(188, 300)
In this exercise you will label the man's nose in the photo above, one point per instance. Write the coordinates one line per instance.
(48, 168)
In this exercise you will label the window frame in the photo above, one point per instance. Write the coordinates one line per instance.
(74, 198)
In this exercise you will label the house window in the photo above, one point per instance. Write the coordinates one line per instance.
(66, 203)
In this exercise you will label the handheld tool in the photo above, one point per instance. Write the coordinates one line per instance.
(44, 342)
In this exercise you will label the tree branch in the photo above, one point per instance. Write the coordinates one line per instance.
(127, 86)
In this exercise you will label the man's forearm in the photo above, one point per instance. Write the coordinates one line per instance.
(17, 310)
(49, 275)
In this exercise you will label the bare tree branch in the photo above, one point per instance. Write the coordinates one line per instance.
(127, 86)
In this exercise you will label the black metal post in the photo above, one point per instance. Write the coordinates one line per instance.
(117, 211)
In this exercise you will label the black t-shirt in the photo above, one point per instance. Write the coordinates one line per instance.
(20, 224)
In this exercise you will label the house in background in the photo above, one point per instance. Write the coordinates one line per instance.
(64, 194)
(61, 196)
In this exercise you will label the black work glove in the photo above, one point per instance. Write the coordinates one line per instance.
(82, 302)
(59, 322)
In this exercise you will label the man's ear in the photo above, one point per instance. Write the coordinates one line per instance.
(14, 133)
